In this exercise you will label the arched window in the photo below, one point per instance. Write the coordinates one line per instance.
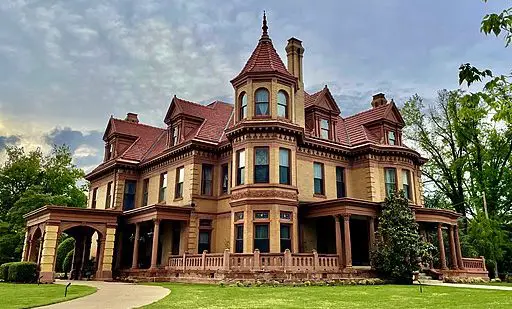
(282, 104)
(262, 102)
(243, 106)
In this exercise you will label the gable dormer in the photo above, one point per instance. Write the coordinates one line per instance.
(116, 138)
(181, 120)
(322, 114)
(387, 123)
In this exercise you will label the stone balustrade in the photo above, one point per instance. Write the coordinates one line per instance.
(474, 263)
(244, 262)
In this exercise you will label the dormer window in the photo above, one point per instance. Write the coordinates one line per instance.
(243, 106)
(324, 128)
(391, 138)
(282, 104)
(109, 151)
(175, 135)
(262, 102)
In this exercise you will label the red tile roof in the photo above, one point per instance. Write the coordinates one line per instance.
(265, 59)
(356, 128)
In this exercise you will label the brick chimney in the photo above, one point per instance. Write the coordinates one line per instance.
(132, 117)
(378, 100)
(295, 52)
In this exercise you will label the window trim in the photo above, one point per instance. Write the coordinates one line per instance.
(240, 171)
(408, 192)
(285, 105)
(385, 180)
(290, 231)
(343, 182)
(224, 174)
(162, 190)
(239, 240)
(322, 183)
(255, 149)
(203, 180)
(145, 191)
(267, 224)
(108, 198)
(243, 111)
(175, 139)
(256, 115)
(178, 188)
(134, 182)
(94, 198)
(289, 174)
(395, 142)
(328, 129)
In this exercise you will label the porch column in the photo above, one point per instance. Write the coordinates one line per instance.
(371, 227)
(442, 253)
(135, 256)
(339, 249)
(154, 250)
(453, 254)
(457, 248)
(348, 249)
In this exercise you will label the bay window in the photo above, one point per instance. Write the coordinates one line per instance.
(261, 165)
(262, 102)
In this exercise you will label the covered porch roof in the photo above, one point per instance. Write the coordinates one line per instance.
(157, 212)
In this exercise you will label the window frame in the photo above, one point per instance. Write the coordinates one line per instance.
(264, 167)
(288, 169)
(322, 180)
(175, 135)
(342, 182)
(408, 190)
(108, 198)
(386, 184)
(285, 240)
(200, 246)
(178, 188)
(285, 105)
(393, 133)
(164, 180)
(94, 198)
(204, 185)
(322, 129)
(133, 195)
(240, 170)
(145, 191)
(256, 102)
(239, 239)
(224, 180)
(259, 241)
(242, 114)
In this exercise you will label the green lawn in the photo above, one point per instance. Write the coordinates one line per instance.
(33, 295)
(385, 296)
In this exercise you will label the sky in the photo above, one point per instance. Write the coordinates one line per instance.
(67, 66)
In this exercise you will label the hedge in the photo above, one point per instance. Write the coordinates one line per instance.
(63, 249)
(66, 265)
(25, 272)
(4, 270)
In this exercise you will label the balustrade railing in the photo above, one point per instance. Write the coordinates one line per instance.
(240, 262)
(474, 263)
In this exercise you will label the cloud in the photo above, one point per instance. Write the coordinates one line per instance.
(8, 140)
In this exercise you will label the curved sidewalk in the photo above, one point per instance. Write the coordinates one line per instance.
(113, 295)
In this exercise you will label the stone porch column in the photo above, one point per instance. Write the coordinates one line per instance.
(339, 241)
(135, 256)
(348, 249)
(371, 227)
(47, 250)
(442, 253)
(453, 254)
(154, 250)
(457, 249)
(26, 246)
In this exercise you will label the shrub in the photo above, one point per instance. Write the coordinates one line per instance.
(399, 249)
(4, 270)
(63, 249)
(66, 265)
(25, 272)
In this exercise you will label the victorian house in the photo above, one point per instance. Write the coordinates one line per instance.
(276, 182)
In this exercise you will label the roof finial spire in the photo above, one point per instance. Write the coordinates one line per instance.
(264, 35)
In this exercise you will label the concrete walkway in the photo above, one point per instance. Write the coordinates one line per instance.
(113, 295)
(469, 286)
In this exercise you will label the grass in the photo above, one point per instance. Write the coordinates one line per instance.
(32, 295)
(385, 296)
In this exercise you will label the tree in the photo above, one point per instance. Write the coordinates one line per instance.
(29, 181)
(399, 250)
(63, 249)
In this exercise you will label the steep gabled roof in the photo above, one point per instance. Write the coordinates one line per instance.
(322, 99)
(264, 58)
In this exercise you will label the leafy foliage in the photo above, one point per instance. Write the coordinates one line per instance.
(399, 250)
(63, 249)
(29, 180)
(66, 265)
(24, 272)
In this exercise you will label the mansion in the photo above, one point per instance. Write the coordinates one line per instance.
(275, 184)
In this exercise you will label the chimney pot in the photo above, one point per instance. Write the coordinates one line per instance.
(132, 117)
